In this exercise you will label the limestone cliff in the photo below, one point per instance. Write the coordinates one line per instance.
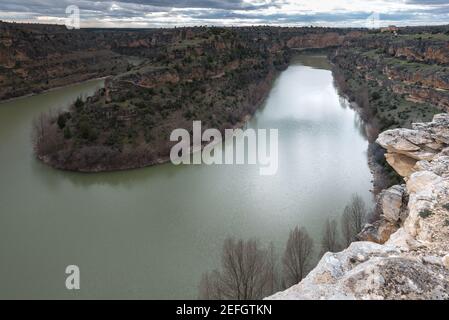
(411, 257)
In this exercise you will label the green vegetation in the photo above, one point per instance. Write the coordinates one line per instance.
(425, 213)
(79, 103)
(217, 76)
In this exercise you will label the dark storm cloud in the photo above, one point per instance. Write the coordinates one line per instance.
(302, 18)
(159, 12)
(207, 4)
(52, 6)
(428, 2)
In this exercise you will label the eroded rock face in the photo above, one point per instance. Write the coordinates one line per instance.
(378, 232)
(422, 148)
(370, 271)
(413, 262)
(391, 203)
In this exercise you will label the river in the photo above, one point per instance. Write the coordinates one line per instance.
(151, 233)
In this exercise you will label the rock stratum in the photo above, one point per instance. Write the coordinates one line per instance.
(407, 255)
(158, 80)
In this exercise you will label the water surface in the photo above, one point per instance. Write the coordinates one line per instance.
(151, 233)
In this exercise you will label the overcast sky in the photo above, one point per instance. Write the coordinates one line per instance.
(168, 13)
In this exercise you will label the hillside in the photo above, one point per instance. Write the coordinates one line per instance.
(173, 76)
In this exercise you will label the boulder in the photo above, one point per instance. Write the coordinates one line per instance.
(391, 203)
(439, 165)
(394, 141)
(402, 164)
(446, 261)
(422, 180)
(378, 232)
(370, 271)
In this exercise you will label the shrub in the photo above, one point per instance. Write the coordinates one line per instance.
(79, 103)
(425, 213)
(375, 95)
(62, 121)
(67, 133)
(87, 132)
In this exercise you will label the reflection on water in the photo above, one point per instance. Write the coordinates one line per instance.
(152, 232)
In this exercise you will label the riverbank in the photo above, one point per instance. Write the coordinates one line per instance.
(53, 89)
(381, 178)
(134, 157)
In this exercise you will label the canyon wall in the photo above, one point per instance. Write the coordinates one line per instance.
(415, 66)
(34, 58)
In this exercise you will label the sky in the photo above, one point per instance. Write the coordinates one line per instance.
(170, 13)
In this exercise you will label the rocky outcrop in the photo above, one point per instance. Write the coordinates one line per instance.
(414, 262)
(392, 204)
(371, 271)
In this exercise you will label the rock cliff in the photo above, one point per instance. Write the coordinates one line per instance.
(38, 57)
(411, 257)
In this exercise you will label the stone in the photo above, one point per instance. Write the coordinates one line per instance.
(439, 165)
(433, 260)
(446, 261)
(402, 164)
(393, 140)
(383, 274)
(421, 154)
(378, 232)
(416, 137)
(391, 202)
(422, 180)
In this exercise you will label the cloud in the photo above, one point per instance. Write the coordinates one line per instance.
(160, 13)
(208, 4)
(428, 2)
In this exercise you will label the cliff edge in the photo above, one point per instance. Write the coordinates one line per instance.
(407, 255)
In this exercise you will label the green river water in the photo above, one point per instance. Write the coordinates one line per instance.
(151, 233)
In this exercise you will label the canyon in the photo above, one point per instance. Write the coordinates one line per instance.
(219, 76)
(162, 79)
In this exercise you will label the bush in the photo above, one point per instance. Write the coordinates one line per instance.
(79, 103)
(112, 140)
(62, 121)
(375, 95)
(87, 132)
(425, 213)
(67, 133)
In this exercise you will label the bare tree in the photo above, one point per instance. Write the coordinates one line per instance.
(329, 242)
(274, 283)
(248, 273)
(297, 256)
(209, 288)
(45, 135)
(353, 219)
